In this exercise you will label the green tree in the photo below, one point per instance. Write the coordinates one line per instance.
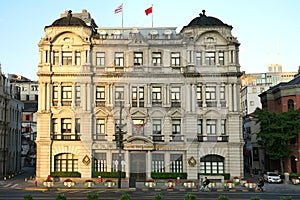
(276, 132)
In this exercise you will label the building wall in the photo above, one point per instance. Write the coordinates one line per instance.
(69, 92)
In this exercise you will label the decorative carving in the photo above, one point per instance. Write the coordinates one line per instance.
(86, 160)
(192, 161)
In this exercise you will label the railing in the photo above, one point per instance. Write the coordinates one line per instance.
(157, 138)
(176, 138)
(66, 137)
(212, 138)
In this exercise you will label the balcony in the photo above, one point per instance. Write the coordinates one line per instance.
(212, 138)
(100, 103)
(157, 138)
(176, 104)
(66, 137)
(66, 102)
(177, 138)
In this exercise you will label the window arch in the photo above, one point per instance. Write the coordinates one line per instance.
(290, 104)
(65, 162)
(212, 164)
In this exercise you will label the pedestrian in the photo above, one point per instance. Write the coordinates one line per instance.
(260, 184)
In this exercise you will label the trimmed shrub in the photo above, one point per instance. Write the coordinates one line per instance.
(168, 175)
(190, 197)
(125, 197)
(108, 174)
(222, 197)
(158, 197)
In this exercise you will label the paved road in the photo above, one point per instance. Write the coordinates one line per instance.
(19, 187)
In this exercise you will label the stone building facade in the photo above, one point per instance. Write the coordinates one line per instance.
(175, 94)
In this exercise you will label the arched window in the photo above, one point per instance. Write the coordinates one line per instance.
(212, 164)
(290, 104)
(65, 162)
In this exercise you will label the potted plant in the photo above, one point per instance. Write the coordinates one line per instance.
(48, 182)
(109, 183)
(189, 183)
(89, 183)
(150, 183)
(69, 182)
(236, 179)
(250, 184)
(170, 183)
(295, 180)
(229, 183)
(243, 181)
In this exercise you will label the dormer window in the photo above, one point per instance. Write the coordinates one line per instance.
(168, 34)
(210, 40)
(154, 34)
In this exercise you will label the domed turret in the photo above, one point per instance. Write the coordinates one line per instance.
(69, 20)
(204, 21)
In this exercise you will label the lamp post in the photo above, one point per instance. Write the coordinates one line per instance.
(120, 146)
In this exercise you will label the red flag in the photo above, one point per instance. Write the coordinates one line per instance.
(119, 9)
(148, 10)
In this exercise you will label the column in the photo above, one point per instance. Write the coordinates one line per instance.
(203, 95)
(88, 96)
(73, 95)
(127, 165)
(84, 97)
(149, 95)
(49, 97)
(234, 99)
(230, 96)
(148, 165)
(194, 98)
(218, 95)
(186, 96)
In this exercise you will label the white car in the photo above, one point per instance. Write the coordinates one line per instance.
(272, 177)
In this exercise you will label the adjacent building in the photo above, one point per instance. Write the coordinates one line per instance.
(253, 84)
(10, 128)
(175, 94)
(281, 98)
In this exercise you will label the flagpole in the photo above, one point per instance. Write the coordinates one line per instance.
(152, 15)
(122, 14)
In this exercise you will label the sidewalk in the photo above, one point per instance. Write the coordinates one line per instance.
(25, 181)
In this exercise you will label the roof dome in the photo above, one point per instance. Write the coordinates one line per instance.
(204, 20)
(69, 20)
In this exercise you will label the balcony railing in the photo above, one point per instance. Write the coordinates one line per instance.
(68, 137)
(157, 138)
(212, 138)
(176, 138)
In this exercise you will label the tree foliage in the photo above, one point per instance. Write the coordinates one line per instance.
(276, 131)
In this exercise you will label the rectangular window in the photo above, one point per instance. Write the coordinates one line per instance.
(55, 58)
(176, 163)
(156, 126)
(100, 96)
(175, 97)
(138, 127)
(115, 161)
(210, 58)
(66, 95)
(198, 58)
(222, 92)
(221, 58)
(211, 125)
(137, 96)
(100, 162)
(77, 125)
(156, 58)
(156, 96)
(199, 92)
(119, 59)
(223, 127)
(138, 58)
(100, 129)
(199, 126)
(66, 125)
(77, 95)
(158, 162)
(66, 58)
(210, 93)
(175, 59)
(55, 126)
(55, 96)
(77, 58)
(176, 126)
(119, 95)
(100, 59)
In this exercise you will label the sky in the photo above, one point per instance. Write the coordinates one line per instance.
(268, 30)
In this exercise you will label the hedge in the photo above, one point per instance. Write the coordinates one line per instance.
(168, 175)
(108, 174)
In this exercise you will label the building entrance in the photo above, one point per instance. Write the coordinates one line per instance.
(138, 166)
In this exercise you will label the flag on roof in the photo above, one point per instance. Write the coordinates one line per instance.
(148, 10)
(119, 9)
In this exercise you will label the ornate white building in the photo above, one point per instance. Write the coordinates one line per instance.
(175, 94)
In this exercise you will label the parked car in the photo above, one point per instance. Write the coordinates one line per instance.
(272, 177)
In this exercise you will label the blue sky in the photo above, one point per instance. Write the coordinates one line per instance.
(267, 30)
